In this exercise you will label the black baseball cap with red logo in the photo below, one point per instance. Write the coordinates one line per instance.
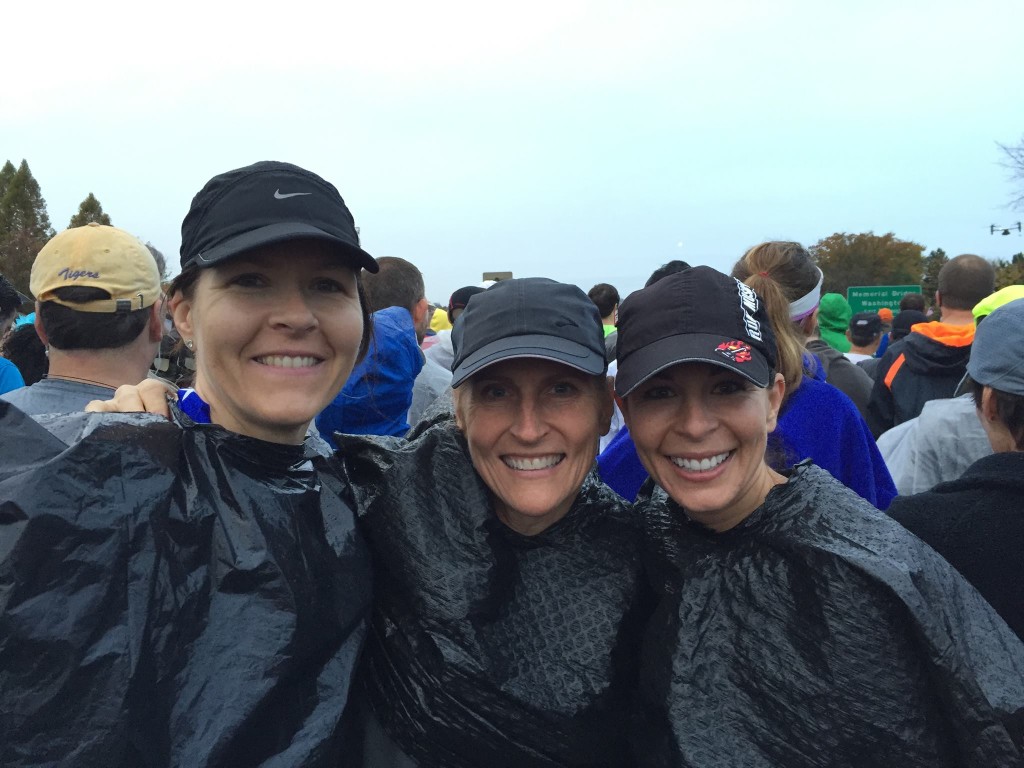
(698, 315)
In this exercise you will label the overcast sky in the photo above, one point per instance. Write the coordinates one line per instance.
(584, 141)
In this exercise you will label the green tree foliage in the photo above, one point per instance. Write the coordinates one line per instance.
(24, 224)
(867, 259)
(933, 262)
(6, 174)
(89, 211)
(1009, 272)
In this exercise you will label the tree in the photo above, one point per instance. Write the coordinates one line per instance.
(1013, 159)
(933, 262)
(867, 259)
(89, 210)
(1009, 272)
(24, 224)
(17, 252)
(6, 174)
(161, 262)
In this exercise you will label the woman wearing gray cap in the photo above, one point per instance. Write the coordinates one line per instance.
(508, 604)
(976, 522)
(797, 625)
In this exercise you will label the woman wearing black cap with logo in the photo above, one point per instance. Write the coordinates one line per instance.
(185, 594)
(976, 521)
(797, 625)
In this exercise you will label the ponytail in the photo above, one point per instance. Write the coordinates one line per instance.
(781, 272)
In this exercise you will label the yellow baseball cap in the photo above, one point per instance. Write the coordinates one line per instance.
(97, 256)
(990, 304)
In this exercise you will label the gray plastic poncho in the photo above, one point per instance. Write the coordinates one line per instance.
(819, 632)
(172, 597)
(488, 647)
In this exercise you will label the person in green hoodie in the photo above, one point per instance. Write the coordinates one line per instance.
(834, 315)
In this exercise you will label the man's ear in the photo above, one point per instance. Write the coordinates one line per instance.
(419, 313)
(938, 299)
(156, 321)
(849, 338)
(40, 330)
(988, 405)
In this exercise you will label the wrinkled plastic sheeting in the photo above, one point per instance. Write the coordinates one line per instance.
(819, 632)
(489, 648)
(172, 597)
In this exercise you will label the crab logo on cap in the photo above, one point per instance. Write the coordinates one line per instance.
(736, 351)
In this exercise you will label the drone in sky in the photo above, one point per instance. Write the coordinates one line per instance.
(1003, 230)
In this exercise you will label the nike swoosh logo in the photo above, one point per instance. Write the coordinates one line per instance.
(279, 196)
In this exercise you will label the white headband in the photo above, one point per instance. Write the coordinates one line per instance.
(803, 306)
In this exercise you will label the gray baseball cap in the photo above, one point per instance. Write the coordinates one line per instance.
(528, 317)
(996, 359)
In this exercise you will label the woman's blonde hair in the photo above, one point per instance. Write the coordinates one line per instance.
(781, 272)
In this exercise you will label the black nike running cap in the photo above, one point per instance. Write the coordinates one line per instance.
(263, 204)
(529, 317)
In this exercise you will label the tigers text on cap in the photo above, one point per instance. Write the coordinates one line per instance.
(528, 317)
(97, 256)
(995, 353)
(698, 315)
(263, 204)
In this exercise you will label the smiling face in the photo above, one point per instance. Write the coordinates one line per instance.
(532, 427)
(701, 432)
(276, 334)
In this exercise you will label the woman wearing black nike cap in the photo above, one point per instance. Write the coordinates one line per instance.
(208, 601)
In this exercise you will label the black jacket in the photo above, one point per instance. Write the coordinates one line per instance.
(173, 597)
(977, 523)
(818, 632)
(488, 647)
(926, 365)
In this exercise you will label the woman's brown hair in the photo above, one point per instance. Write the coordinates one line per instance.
(781, 272)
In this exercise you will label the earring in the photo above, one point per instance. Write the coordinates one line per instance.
(189, 344)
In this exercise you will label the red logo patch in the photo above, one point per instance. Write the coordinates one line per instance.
(736, 351)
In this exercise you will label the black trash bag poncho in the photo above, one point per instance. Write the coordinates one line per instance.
(487, 647)
(172, 597)
(819, 632)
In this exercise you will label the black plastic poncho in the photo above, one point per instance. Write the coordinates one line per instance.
(819, 632)
(172, 597)
(489, 648)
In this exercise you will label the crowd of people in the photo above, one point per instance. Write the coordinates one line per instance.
(535, 527)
